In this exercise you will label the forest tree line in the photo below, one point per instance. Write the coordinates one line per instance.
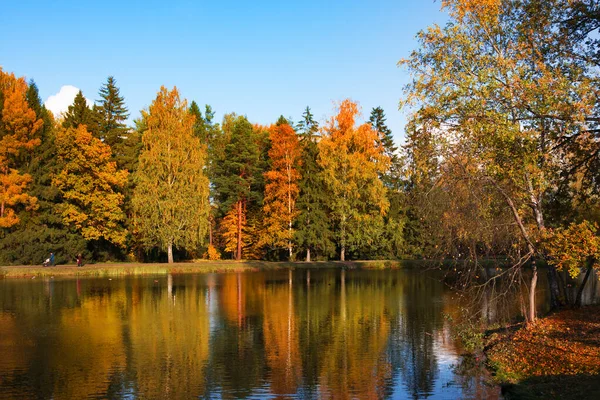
(179, 185)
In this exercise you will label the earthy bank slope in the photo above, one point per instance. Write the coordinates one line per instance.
(557, 358)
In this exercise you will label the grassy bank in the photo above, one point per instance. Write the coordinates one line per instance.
(123, 269)
(557, 358)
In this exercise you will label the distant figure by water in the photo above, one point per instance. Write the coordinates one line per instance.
(49, 261)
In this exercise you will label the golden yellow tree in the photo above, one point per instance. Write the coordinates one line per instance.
(170, 200)
(18, 129)
(353, 159)
(91, 186)
(281, 191)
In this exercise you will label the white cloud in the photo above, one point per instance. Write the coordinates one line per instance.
(60, 102)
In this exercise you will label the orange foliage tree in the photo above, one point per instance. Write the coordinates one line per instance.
(18, 129)
(281, 190)
(353, 159)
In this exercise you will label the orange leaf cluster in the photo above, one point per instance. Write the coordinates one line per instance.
(566, 343)
(19, 128)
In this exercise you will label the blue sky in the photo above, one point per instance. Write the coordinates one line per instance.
(262, 58)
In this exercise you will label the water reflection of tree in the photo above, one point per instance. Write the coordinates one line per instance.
(413, 331)
(237, 364)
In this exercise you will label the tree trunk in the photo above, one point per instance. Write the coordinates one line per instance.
(238, 253)
(585, 279)
(343, 253)
(170, 253)
(532, 310)
(530, 247)
(308, 254)
(555, 301)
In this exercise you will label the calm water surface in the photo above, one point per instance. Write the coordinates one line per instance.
(285, 334)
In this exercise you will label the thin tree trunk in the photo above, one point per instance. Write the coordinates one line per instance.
(343, 239)
(210, 232)
(530, 247)
(555, 302)
(170, 253)
(308, 254)
(238, 253)
(582, 286)
(532, 294)
(563, 285)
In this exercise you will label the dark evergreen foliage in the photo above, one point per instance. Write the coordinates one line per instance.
(313, 230)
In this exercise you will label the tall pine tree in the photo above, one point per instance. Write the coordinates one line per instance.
(79, 113)
(313, 233)
(391, 244)
(113, 130)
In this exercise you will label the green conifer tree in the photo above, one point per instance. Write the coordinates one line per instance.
(391, 243)
(313, 232)
(80, 113)
(113, 130)
(237, 175)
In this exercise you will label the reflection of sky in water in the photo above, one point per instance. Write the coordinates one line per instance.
(357, 334)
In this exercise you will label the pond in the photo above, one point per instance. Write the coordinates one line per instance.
(304, 333)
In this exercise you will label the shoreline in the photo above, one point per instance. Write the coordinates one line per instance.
(197, 267)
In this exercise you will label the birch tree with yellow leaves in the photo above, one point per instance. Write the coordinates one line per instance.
(170, 200)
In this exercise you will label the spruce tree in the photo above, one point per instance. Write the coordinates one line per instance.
(391, 244)
(312, 225)
(392, 178)
(79, 113)
(113, 113)
(113, 130)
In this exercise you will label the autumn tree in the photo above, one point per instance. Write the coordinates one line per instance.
(281, 191)
(491, 90)
(170, 200)
(574, 249)
(313, 231)
(352, 159)
(89, 183)
(41, 230)
(19, 129)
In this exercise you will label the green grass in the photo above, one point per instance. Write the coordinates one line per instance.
(123, 269)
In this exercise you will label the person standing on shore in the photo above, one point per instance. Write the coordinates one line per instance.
(52, 259)
(79, 260)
